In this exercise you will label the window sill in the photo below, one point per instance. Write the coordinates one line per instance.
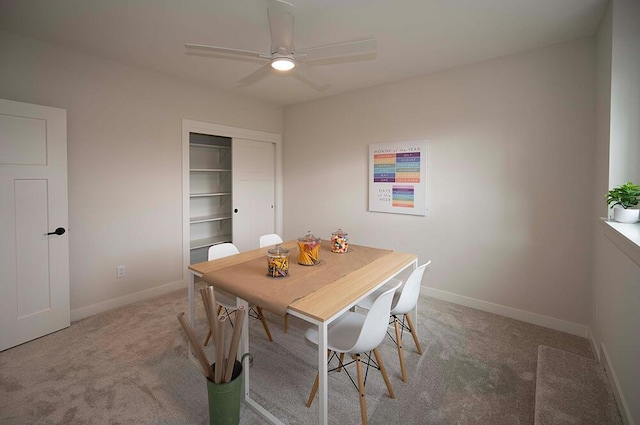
(625, 236)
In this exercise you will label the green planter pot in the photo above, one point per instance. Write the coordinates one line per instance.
(224, 399)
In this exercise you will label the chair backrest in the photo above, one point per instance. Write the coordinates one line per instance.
(270, 239)
(376, 322)
(222, 250)
(409, 291)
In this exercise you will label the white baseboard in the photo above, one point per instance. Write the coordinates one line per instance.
(514, 313)
(594, 345)
(84, 312)
(623, 407)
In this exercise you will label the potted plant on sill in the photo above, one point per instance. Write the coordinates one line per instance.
(626, 198)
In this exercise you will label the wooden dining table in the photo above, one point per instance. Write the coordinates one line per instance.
(317, 294)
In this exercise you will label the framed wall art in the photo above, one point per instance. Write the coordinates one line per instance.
(398, 177)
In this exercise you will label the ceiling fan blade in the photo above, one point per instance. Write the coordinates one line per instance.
(281, 16)
(338, 50)
(227, 50)
(307, 75)
(255, 76)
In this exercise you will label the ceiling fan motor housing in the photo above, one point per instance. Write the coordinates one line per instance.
(282, 62)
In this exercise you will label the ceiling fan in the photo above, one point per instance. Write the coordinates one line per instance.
(283, 56)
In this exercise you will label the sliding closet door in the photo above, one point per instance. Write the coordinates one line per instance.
(253, 191)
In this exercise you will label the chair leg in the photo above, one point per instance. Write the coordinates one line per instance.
(383, 371)
(314, 388)
(400, 352)
(413, 333)
(363, 401)
(339, 369)
(207, 338)
(286, 323)
(264, 323)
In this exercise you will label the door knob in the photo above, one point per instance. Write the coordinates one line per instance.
(59, 231)
(235, 211)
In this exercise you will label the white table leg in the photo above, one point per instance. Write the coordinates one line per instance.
(322, 371)
(414, 312)
(192, 289)
(192, 310)
(246, 396)
(244, 348)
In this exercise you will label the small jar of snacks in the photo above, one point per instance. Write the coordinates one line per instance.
(308, 250)
(278, 261)
(339, 241)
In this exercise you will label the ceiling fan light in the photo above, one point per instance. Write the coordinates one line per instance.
(282, 64)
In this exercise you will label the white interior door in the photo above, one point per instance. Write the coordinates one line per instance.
(34, 265)
(253, 191)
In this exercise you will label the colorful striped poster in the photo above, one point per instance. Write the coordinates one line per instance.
(398, 177)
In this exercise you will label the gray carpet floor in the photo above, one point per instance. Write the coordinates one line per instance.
(129, 366)
(571, 389)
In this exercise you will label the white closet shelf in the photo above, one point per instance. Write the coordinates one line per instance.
(202, 145)
(210, 170)
(206, 218)
(204, 195)
(207, 242)
(210, 174)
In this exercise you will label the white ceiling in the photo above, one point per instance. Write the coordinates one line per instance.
(415, 37)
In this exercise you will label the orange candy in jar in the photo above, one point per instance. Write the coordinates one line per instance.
(339, 242)
(308, 250)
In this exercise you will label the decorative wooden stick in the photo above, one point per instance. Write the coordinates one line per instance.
(219, 338)
(205, 302)
(235, 340)
(199, 352)
(211, 301)
(210, 313)
(211, 306)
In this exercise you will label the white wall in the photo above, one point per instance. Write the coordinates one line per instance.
(510, 160)
(615, 309)
(625, 93)
(603, 113)
(124, 151)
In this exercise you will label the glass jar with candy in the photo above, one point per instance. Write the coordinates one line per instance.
(278, 261)
(339, 242)
(308, 250)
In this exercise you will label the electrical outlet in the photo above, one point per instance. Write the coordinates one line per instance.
(121, 271)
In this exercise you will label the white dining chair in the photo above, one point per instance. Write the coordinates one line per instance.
(356, 334)
(270, 239)
(226, 300)
(404, 302)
